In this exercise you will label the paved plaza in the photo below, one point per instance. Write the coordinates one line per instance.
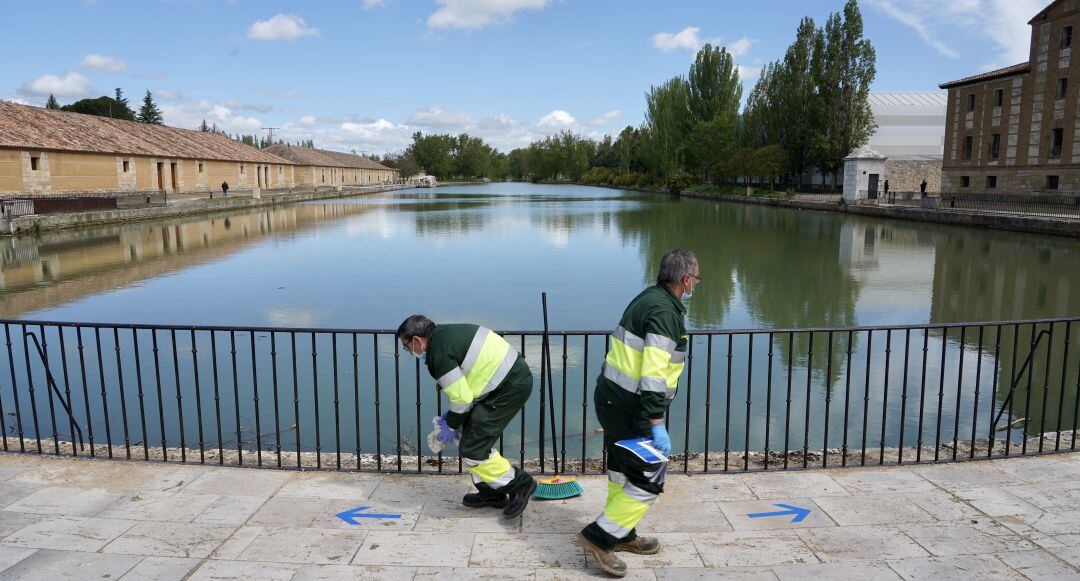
(65, 518)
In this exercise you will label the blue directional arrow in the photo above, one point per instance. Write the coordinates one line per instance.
(352, 514)
(797, 513)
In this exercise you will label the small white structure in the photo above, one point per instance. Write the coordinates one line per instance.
(864, 176)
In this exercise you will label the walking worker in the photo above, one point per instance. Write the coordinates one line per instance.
(640, 377)
(488, 383)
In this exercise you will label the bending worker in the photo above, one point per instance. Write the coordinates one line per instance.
(639, 379)
(488, 383)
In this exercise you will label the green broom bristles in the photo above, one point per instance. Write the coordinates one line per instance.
(557, 488)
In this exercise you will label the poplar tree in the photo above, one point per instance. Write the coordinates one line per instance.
(52, 103)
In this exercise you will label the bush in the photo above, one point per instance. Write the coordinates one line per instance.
(680, 181)
(598, 176)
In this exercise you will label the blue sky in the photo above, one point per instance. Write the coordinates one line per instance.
(365, 74)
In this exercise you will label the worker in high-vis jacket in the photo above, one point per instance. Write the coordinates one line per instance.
(488, 383)
(640, 377)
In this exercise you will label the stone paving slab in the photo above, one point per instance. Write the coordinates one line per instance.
(78, 518)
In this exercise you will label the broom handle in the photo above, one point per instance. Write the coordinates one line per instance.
(546, 347)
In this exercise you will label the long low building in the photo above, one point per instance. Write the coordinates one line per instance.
(44, 151)
(321, 167)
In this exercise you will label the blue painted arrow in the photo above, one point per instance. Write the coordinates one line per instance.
(797, 513)
(352, 514)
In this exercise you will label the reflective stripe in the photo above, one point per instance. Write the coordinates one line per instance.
(450, 377)
(611, 527)
(678, 357)
(631, 340)
(501, 372)
(660, 341)
(671, 392)
(654, 384)
(496, 471)
(619, 378)
(460, 408)
(474, 349)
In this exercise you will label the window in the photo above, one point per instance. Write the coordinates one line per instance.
(971, 102)
(35, 163)
(967, 148)
(1062, 88)
(991, 182)
(242, 170)
(995, 146)
(965, 181)
(1052, 182)
(999, 97)
(1066, 37)
(126, 166)
(200, 167)
(1055, 143)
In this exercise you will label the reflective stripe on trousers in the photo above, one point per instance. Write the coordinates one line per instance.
(625, 507)
(495, 472)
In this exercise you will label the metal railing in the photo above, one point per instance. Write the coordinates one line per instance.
(1036, 204)
(351, 399)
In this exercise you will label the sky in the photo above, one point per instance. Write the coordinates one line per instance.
(364, 75)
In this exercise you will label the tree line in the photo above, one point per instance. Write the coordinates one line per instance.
(116, 107)
(807, 110)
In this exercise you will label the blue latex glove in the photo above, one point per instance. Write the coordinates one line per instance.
(446, 433)
(660, 439)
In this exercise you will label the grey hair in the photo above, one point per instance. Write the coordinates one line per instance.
(675, 265)
(415, 326)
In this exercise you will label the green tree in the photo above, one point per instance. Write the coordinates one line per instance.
(149, 112)
(51, 103)
(714, 96)
(667, 115)
(102, 107)
(204, 127)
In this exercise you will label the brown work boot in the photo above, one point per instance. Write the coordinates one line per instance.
(606, 559)
(640, 545)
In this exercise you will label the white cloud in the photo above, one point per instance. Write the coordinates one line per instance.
(281, 27)
(606, 118)
(557, 120)
(72, 85)
(190, 114)
(369, 4)
(741, 46)
(307, 120)
(686, 38)
(476, 14)
(436, 117)
(1003, 22)
(168, 95)
(102, 63)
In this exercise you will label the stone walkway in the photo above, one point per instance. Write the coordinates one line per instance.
(81, 519)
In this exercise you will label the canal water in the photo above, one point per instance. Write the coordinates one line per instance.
(484, 253)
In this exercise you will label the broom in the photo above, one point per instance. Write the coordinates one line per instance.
(557, 487)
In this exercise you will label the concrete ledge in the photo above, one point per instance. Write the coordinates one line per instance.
(1038, 225)
(37, 223)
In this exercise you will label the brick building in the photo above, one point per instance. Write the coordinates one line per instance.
(1015, 130)
(43, 152)
(321, 167)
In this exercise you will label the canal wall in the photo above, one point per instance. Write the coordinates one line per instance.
(37, 223)
(1016, 223)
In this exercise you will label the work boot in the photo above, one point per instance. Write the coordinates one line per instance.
(477, 500)
(606, 559)
(519, 499)
(640, 545)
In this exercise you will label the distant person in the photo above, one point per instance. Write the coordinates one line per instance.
(224, 188)
(886, 189)
(922, 188)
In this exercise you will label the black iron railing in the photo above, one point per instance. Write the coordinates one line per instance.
(350, 399)
(1044, 205)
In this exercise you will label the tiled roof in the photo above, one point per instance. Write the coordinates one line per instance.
(323, 157)
(1005, 72)
(26, 127)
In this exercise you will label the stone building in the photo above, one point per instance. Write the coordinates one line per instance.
(320, 167)
(1014, 130)
(56, 152)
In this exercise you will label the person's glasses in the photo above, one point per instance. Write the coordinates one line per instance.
(697, 279)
